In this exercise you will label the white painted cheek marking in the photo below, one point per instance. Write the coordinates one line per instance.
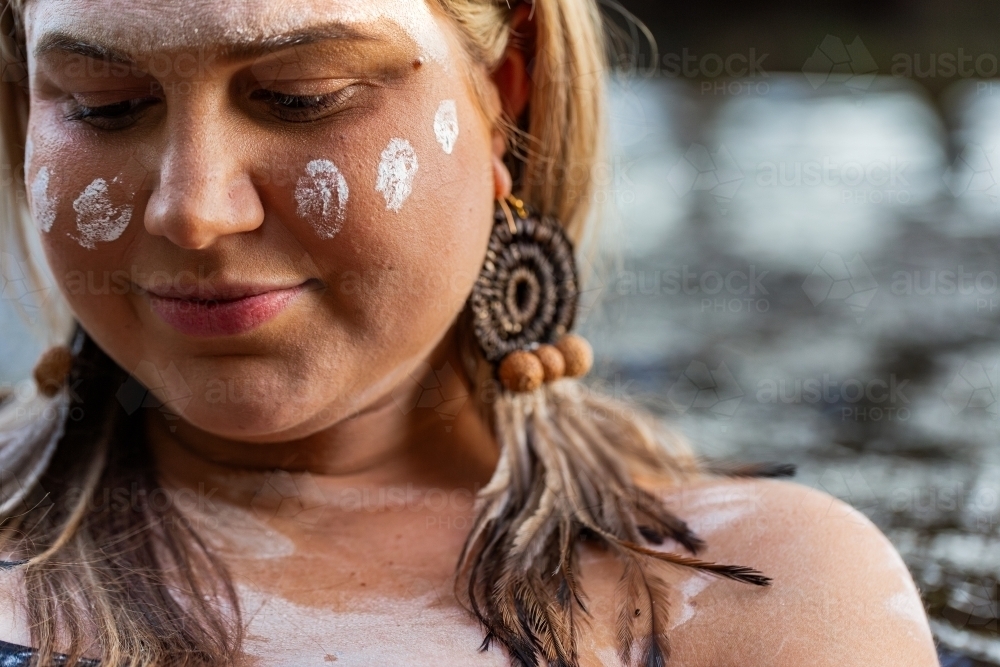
(322, 197)
(97, 219)
(396, 171)
(446, 125)
(43, 208)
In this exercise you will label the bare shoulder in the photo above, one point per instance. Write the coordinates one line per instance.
(840, 593)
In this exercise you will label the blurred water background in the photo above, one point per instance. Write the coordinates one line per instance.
(810, 275)
(803, 267)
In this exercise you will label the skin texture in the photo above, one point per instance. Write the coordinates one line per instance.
(350, 552)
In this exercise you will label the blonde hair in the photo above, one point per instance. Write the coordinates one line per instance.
(142, 582)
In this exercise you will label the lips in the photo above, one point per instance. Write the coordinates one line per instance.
(228, 311)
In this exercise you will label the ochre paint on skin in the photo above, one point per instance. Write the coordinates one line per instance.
(321, 196)
(97, 219)
(718, 509)
(29, 152)
(906, 607)
(414, 18)
(244, 535)
(446, 125)
(689, 589)
(377, 631)
(396, 171)
(184, 27)
(43, 207)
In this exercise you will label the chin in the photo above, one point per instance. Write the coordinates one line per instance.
(257, 420)
(251, 406)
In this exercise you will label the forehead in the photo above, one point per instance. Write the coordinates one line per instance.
(144, 26)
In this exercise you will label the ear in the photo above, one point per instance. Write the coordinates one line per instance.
(512, 78)
(513, 85)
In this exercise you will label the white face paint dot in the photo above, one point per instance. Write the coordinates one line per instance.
(97, 219)
(43, 208)
(396, 171)
(322, 197)
(446, 125)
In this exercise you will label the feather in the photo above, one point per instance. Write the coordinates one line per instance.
(566, 475)
(758, 470)
(656, 647)
(629, 612)
(543, 618)
(743, 574)
(665, 522)
(642, 614)
(568, 591)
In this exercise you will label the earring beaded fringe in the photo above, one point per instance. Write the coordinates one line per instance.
(52, 370)
(524, 370)
(553, 362)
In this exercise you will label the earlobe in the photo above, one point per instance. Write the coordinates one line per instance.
(502, 182)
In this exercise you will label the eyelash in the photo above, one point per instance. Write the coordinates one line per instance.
(289, 108)
(303, 108)
(111, 116)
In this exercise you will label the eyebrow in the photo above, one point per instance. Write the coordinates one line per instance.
(62, 42)
(240, 49)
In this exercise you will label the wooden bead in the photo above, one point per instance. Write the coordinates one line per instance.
(578, 354)
(521, 371)
(52, 369)
(552, 362)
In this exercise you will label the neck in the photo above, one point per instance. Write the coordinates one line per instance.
(426, 432)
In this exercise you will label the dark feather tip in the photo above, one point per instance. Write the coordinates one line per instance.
(756, 470)
(651, 535)
(683, 536)
(777, 470)
(655, 657)
(690, 541)
(745, 574)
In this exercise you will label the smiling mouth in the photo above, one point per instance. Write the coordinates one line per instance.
(229, 316)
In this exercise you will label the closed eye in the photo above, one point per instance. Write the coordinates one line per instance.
(115, 116)
(303, 108)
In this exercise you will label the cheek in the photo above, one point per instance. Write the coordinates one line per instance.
(85, 204)
(396, 215)
(79, 188)
(80, 195)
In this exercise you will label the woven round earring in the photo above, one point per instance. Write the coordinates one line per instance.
(525, 300)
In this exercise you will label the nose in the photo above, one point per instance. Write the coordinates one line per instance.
(203, 191)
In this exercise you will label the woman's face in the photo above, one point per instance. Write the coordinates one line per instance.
(269, 212)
